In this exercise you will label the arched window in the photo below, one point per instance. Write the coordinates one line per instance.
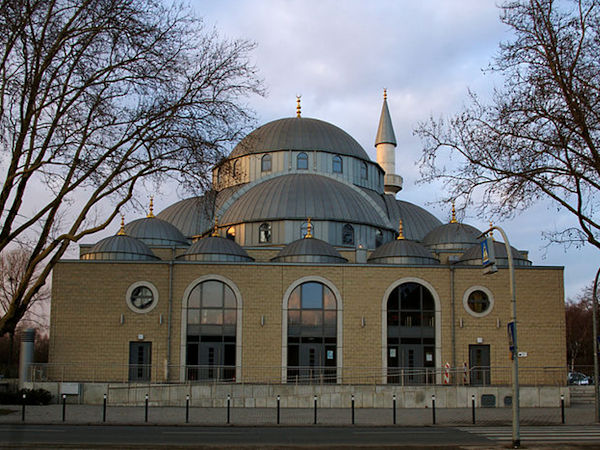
(264, 233)
(231, 233)
(364, 172)
(218, 175)
(312, 334)
(338, 166)
(347, 234)
(411, 335)
(378, 238)
(302, 161)
(236, 168)
(211, 332)
(265, 163)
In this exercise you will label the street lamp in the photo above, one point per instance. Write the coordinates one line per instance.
(516, 434)
(595, 337)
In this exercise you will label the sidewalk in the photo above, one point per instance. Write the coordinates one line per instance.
(129, 415)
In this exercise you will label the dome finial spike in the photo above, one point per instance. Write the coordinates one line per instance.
(122, 230)
(384, 93)
(215, 232)
(151, 211)
(298, 106)
(400, 230)
(308, 230)
(492, 231)
(453, 219)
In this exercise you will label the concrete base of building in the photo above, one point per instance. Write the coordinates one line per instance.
(303, 396)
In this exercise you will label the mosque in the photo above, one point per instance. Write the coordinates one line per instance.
(301, 265)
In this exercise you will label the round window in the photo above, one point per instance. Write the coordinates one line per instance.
(142, 297)
(478, 301)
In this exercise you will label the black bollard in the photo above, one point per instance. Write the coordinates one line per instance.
(315, 399)
(278, 408)
(473, 407)
(562, 409)
(352, 409)
(433, 408)
(64, 406)
(146, 409)
(394, 408)
(23, 410)
(104, 409)
(228, 408)
(187, 408)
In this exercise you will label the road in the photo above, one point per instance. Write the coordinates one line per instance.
(111, 436)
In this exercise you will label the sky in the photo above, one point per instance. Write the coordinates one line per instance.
(340, 55)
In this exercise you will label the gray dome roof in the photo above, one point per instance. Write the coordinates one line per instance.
(309, 250)
(215, 248)
(299, 196)
(402, 251)
(416, 220)
(299, 133)
(154, 231)
(120, 248)
(472, 257)
(452, 236)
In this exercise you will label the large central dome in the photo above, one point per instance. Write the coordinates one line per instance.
(299, 133)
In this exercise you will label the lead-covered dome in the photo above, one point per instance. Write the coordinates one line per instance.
(298, 196)
(309, 250)
(120, 248)
(154, 231)
(472, 257)
(216, 249)
(452, 236)
(402, 251)
(299, 133)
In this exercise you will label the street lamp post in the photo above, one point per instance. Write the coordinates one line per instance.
(595, 337)
(516, 433)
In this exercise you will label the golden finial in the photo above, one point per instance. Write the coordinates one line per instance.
(196, 238)
(122, 230)
(298, 107)
(453, 220)
(384, 93)
(215, 233)
(491, 231)
(308, 230)
(400, 230)
(151, 212)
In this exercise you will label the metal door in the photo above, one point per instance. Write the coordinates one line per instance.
(210, 360)
(140, 361)
(311, 361)
(411, 364)
(479, 363)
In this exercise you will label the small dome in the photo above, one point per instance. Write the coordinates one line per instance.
(155, 231)
(299, 133)
(452, 236)
(191, 216)
(216, 249)
(472, 257)
(402, 251)
(309, 250)
(120, 248)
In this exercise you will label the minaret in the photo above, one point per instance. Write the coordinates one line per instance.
(385, 143)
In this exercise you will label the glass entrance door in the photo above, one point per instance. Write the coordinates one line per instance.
(140, 361)
(479, 362)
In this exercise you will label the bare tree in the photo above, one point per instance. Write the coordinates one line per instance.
(578, 321)
(538, 136)
(97, 96)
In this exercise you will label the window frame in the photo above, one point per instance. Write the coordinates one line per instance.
(490, 298)
(269, 237)
(266, 163)
(131, 290)
(302, 156)
(337, 159)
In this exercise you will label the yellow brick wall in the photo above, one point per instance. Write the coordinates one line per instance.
(89, 299)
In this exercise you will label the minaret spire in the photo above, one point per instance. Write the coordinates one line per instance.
(385, 143)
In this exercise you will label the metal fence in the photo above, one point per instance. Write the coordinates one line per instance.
(313, 375)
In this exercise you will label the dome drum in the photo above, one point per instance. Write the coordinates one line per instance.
(120, 248)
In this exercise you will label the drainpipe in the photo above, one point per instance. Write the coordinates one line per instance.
(452, 301)
(170, 312)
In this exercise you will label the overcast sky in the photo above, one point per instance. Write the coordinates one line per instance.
(339, 55)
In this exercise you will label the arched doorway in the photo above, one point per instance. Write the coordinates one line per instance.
(411, 346)
(312, 330)
(211, 330)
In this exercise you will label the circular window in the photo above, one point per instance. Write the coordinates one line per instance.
(478, 301)
(142, 297)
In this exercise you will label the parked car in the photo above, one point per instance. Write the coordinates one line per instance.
(579, 379)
